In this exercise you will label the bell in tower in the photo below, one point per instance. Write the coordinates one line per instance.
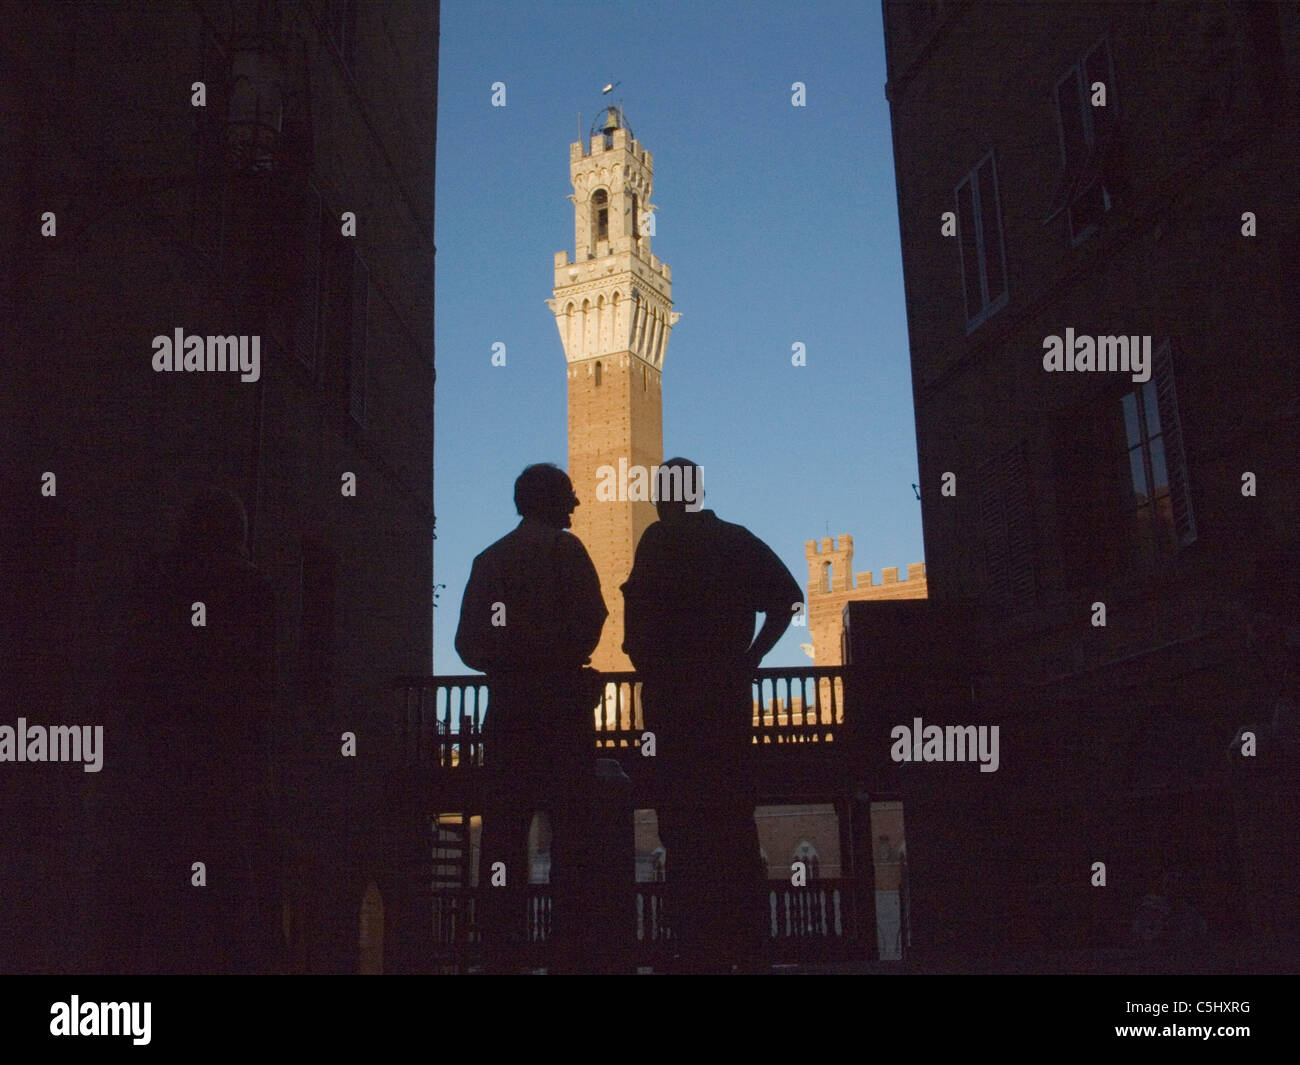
(609, 120)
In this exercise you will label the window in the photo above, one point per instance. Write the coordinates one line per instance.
(600, 206)
(636, 221)
(597, 373)
(1088, 136)
(979, 235)
(1156, 472)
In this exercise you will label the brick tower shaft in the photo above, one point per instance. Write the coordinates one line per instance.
(613, 307)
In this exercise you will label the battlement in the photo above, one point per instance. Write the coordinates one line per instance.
(830, 564)
(832, 583)
(829, 545)
(622, 142)
(889, 575)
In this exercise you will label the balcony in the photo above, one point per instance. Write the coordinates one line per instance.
(802, 754)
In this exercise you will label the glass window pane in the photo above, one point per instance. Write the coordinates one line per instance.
(1137, 470)
(1158, 473)
(1132, 431)
(1151, 407)
(969, 255)
(991, 225)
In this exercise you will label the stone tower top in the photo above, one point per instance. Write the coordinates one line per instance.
(830, 564)
(613, 177)
(614, 296)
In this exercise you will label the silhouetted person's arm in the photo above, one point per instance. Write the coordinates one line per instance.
(775, 592)
(477, 642)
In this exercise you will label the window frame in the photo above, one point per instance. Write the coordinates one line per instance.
(1078, 71)
(988, 308)
(1181, 533)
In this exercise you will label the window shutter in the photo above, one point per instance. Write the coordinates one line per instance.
(968, 242)
(995, 267)
(1006, 526)
(1175, 457)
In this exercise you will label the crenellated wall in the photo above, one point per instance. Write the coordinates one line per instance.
(832, 584)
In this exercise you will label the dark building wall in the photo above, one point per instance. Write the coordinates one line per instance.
(159, 227)
(1115, 738)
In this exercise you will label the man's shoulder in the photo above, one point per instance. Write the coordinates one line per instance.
(708, 524)
(533, 540)
(513, 541)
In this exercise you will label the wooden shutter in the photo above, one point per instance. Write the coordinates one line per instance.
(995, 267)
(1180, 496)
(1006, 527)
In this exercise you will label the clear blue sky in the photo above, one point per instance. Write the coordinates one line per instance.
(780, 224)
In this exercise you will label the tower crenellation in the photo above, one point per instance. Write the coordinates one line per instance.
(832, 583)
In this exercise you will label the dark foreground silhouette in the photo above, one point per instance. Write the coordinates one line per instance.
(530, 618)
(192, 780)
(690, 604)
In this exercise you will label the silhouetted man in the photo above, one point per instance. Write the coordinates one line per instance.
(196, 684)
(530, 619)
(690, 601)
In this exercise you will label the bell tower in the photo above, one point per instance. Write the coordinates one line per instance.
(613, 306)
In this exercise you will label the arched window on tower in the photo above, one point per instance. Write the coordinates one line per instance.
(828, 575)
(636, 218)
(600, 215)
(597, 373)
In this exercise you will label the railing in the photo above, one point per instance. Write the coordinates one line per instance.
(802, 922)
(439, 724)
(440, 718)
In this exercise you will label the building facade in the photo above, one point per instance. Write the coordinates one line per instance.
(1097, 232)
(231, 170)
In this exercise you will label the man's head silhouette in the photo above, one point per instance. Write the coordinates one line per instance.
(545, 493)
(680, 489)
